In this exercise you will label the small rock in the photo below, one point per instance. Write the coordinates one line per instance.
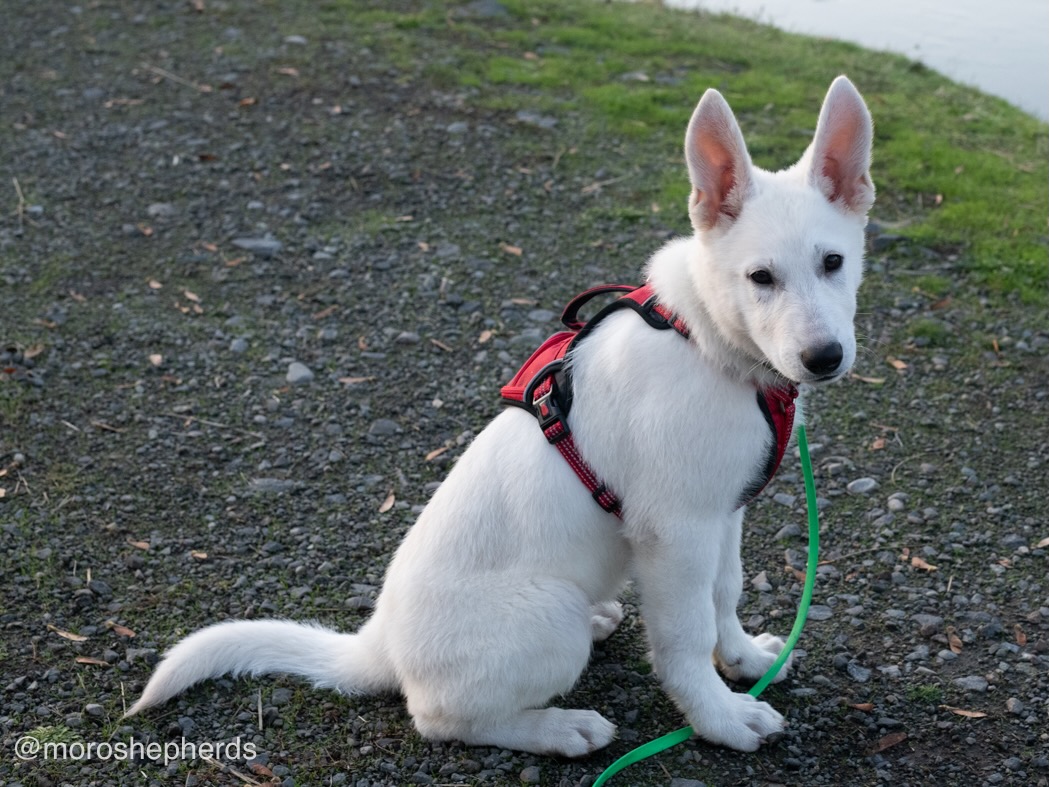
(820, 612)
(459, 127)
(761, 583)
(407, 337)
(261, 247)
(531, 775)
(147, 656)
(280, 697)
(298, 374)
(928, 625)
(541, 315)
(788, 531)
(100, 588)
(861, 486)
(296, 40)
(784, 499)
(488, 9)
(886, 241)
(971, 683)
(535, 119)
(238, 346)
(272, 486)
(858, 673)
(94, 710)
(161, 210)
(1014, 706)
(384, 427)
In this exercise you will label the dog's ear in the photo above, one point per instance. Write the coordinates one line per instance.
(840, 155)
(718, 163)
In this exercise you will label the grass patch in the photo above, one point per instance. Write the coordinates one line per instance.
(926, 693)
(933, 332)
(965, 170)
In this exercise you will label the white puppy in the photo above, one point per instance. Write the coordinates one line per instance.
(493, 599)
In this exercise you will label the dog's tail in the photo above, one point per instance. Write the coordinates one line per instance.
(350, 663)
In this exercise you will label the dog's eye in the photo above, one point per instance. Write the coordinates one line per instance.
(832, 262)
(762, 278)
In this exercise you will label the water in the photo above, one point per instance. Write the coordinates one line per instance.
(1000, 47)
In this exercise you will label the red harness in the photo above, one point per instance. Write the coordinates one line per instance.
(543, 386)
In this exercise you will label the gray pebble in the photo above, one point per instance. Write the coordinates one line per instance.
(858, 673)
(280, 696)
(261, 247)
(272, 486)
(788, 531)
(971, 683)
(928, 625)
(861, 486)
(384, 427)
(100, 588)
(541, 315)
(531, 775)
(161, 210)
(238, 346)
(784, 499)
(535, 119)
(458, 127)
(1014, 706)
(298, 374)
(820, 612)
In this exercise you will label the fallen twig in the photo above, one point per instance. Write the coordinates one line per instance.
(160, 72)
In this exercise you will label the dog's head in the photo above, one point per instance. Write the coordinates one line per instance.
(783, 252)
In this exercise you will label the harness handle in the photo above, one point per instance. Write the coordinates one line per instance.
(570, 316)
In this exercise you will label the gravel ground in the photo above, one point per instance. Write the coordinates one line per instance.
(259, 285)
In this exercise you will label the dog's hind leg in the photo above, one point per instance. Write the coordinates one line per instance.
(483, 674)
(551, 731)
(604, 619)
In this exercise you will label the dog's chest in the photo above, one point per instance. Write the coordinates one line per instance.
(659, 424)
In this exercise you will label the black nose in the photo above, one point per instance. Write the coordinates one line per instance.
(822, 360)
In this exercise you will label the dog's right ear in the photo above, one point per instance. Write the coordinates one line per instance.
(718, 163)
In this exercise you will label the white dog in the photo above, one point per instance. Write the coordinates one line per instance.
(493, 600)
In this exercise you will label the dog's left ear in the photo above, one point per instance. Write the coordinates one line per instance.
(840, 155)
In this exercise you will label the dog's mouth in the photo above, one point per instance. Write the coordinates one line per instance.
(824, 378)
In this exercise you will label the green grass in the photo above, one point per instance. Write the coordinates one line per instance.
(926, 693)
(963, 170)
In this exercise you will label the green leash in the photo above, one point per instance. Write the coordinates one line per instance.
(680, 736)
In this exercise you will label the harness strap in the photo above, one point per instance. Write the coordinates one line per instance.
(543, 386)
(555, 428)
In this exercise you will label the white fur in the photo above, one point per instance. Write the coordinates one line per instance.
(493, 599)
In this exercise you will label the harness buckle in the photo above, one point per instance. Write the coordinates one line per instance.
(548, 410)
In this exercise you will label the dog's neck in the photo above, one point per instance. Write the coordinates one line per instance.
(676, 281)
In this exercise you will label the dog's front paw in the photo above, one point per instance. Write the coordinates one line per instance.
(752, 659)
(742, 723)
